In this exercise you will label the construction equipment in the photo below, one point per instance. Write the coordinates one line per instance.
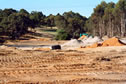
(85, 34)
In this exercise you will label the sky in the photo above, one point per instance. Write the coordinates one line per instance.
(84, 7)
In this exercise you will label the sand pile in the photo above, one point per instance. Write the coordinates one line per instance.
(90, 41)
(110, 42)
(72, 44)
(92, 46)
(105, 38)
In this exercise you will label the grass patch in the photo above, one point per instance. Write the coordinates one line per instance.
(49, 31)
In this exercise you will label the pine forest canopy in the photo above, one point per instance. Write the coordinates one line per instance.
(107, 19)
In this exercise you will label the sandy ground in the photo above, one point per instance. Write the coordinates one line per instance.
(105, 65)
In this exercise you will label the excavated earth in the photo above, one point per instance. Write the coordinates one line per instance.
(106, 65)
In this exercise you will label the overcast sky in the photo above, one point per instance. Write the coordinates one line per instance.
(84, 7)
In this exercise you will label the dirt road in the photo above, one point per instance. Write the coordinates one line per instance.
(63, 67)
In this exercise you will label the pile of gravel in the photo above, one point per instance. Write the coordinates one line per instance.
(72, 44)
(90, 40)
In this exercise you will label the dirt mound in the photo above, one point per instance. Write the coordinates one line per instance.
(82, 37)
(110, 42)
(86, 41)
(90, 41)
(93, 46)
(72, 44)
(105, 38)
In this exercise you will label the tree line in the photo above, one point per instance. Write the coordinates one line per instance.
(107, 19)
(15, 23)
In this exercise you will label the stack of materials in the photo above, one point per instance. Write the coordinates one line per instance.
(92, 42)
(110, 42)
(86, 41)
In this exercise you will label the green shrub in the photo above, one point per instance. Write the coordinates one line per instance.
(61, 35)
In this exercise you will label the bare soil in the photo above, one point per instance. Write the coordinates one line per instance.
(106, 65)
(102, 65)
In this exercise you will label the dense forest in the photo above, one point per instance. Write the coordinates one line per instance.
(107, 19)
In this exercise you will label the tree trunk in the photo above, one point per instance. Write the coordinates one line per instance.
(94, 31)
(122, 25)
(103, 28)
(112, 26)
(100, 28)
(109, 27)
